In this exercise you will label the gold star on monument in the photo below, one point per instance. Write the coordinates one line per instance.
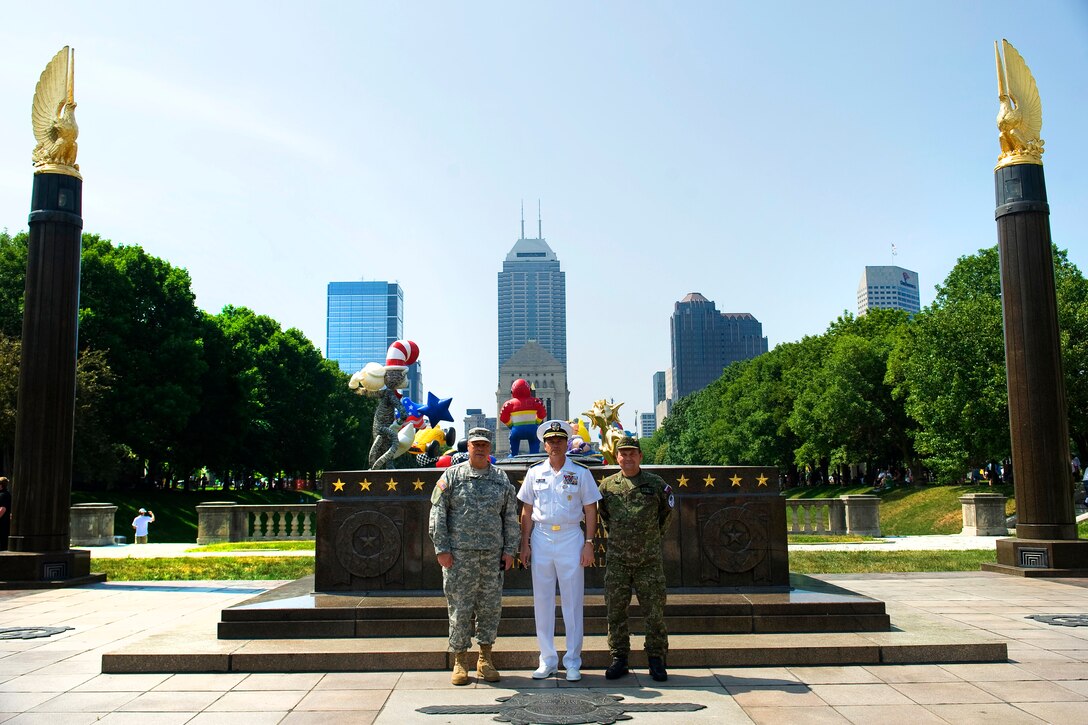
(364, 485)
(762, 480)
(418, 485)
(682, 482)
(709, 481)
(337, 485)
(735, 479)
(391, 484)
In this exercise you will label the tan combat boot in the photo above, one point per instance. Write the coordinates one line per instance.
(484, 667)
(460, 674)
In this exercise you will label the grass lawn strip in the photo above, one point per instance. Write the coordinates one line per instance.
(294, 567)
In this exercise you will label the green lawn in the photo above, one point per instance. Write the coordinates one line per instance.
(175, 510)
(258, 546)
(914, 510)
(294, 567)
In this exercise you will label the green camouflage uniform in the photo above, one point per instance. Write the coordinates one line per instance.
(474, 517)
(636, 513)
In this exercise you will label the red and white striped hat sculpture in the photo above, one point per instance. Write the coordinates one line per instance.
(401, 354)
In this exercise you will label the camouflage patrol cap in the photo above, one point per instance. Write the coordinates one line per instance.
(628, 442)
(479, 434)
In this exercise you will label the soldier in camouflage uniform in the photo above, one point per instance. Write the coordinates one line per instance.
(635, 506)
(474, 527)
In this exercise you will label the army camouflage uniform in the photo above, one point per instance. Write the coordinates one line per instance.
(636, 513)
(474, 516)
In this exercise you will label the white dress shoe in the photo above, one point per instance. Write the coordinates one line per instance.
(543, 672)
(573, 675)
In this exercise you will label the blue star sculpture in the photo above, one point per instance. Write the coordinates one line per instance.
(437, 409)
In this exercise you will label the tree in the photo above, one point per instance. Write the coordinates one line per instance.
(948, 368)
(13, 253)
(141, 313)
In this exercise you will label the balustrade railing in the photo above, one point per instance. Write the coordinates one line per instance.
(815, 516)
(223, 521)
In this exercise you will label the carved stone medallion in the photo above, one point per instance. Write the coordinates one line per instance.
(734, 539)
(560, 708)
(31, 632)
(1061, 620)
(368, 544)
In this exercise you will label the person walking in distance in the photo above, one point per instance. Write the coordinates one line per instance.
(474, 527)
(140, 523)
(5, 513)
(556, 495)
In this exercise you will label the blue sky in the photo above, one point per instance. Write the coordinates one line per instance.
(759, 153)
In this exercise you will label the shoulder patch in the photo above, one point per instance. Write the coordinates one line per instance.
(441, 485)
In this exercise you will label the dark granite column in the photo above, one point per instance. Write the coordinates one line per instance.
(41, 478)
(1046, 532)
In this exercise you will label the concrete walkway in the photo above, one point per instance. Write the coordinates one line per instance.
(58, 678)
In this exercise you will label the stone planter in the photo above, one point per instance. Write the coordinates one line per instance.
(983, 514)
(92, 524)
(862, 514)
(214, 522)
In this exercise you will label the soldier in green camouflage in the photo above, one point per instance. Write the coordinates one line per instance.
(635, 506)
(475, 530)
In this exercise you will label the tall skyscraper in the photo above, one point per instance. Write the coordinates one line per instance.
(705, 341)
(475, 418)
(532, 326)
(660, 391)
(532, 299)
(647, 424)
(888, 288)
(362, 320)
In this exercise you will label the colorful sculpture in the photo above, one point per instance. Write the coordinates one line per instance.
(392, 420)
(605, 416)
(522, 414)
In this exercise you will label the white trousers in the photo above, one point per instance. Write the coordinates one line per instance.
(556, 556)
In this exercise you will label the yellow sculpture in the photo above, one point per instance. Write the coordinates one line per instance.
(54, 118)
(606, 417)
(1020, 117)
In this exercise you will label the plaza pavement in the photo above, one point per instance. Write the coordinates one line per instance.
(58, 678)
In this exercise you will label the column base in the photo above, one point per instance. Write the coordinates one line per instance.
(1041, 558)
(46, 570)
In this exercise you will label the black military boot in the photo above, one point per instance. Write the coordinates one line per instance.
(617, 669)
(657, 669)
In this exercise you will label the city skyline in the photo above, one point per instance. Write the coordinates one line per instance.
(363, 319)
(888, 287)
(705, 341)
(758, 153)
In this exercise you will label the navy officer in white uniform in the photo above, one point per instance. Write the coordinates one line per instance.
(557, 494)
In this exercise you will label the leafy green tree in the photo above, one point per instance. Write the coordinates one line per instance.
(141, 313)
(13, 252)
(9, 393)
(948, 368)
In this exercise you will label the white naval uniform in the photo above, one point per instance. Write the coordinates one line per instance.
(557, 539)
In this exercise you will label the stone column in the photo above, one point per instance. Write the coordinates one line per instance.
(41, 488)
(983, 514)
(862, 514)
(1046, 532)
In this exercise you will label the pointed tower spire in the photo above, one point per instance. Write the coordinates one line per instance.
(522, 219)
(539, 224)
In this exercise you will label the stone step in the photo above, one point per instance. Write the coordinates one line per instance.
(183, 652)
(294, 610)
(526, 626)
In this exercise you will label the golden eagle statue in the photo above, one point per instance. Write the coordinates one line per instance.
(1020, 117)
(54, 118)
